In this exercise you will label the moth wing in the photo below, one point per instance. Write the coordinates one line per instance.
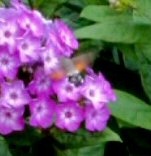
(58, 74)
(83, 61)
(68, 65)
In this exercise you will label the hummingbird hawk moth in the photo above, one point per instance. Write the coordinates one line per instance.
(74, 68)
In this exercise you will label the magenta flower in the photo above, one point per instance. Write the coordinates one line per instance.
(7, 14)
(109, 91)
(8, 33)
(41, 84)
(62, 49)
(50, 59)
(16, 2)
(66, 34)
(9, 63)
(96, 119)
(93, 91)
(14, 94)
(97, 90)
(69, 116)
(11, 119)
(62, 38)
(106, 85)
(66, 90)
(42, 112)
(31, 20)
(29, 48)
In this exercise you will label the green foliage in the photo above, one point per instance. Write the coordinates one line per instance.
(84, 138)
(113, 26)
(4, 151)
(130, 57)
(145, 72)
(101, 13)
(48, 7)
(132, 110)
(83, 142)
(84, 151)
(142, 12)
(115, 31)
(25, 138)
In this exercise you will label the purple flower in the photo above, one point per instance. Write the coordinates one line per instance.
(106, 85)
(66, 90)
(41, 84)
(93, 91)
(69, 116)
(62, 49)
(9, 63)
(8, 33)
(66, 34)
(50, 59)
(96, 119)
(42, 112)
(11, 119)
(97, 90)
(16, 2)
(7, 14)
(109, 91)
(14, 94)
(29, 48)
(62, 37)
(31, 20)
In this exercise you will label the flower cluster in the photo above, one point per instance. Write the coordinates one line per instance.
(31, 50)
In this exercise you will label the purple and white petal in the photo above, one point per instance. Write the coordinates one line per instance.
(66, 90)
(96, 119)
(29, 48)
(11, 119)
(66, 34)
(14, 94)
(42, 112)
(69, 116)
(9, 63)
(41, 84)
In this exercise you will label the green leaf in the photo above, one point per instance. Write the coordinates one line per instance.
(27, 138)
(123, 124)
(116, 31)
(88, 2)
(83, 138)
(97, 150)
(145, 49)
(4, 151)
(132, 110)
(145, 72)
(83, 3)
(143, 52)
(130, 58)
(142, 12)
(90, 46)
(70, 15)
(101, 13)
(48, 7)
(83, 143)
